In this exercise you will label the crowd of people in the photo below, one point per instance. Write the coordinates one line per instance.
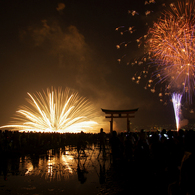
(162, 159)
(34, 142)
(159, 157)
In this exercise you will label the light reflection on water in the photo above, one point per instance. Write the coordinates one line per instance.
(63, 166)
(54, 165)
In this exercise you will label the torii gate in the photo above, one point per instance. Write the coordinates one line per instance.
(120, 114)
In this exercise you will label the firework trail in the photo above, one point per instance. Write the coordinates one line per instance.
(176, 99)
(54, 111)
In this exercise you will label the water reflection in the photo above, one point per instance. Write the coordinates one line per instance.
(60, 164)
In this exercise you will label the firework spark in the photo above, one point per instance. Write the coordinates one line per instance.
(54, 111)
(176, 99)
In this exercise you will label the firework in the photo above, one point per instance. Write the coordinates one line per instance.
(171, 45)
(176, 99)
(166, 50)
(54, 111)
(169, 53)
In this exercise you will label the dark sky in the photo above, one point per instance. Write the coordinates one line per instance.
(72, 43)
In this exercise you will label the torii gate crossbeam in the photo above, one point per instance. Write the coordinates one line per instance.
(120, 114)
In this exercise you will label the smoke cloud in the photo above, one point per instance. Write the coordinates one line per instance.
(60, 7)
(183, 122)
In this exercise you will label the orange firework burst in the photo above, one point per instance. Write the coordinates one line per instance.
(166, 51)
(171, 46)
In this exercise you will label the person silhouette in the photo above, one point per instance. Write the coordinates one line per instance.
(81, 173)
(102, 142)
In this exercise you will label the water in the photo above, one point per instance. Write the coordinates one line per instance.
(59, 171)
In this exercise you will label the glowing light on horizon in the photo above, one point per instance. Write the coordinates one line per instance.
(176, 99)
(54, 111)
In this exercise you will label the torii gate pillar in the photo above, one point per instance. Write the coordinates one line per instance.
(111, 126)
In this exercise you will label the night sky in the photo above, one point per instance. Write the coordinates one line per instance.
(72, 43)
